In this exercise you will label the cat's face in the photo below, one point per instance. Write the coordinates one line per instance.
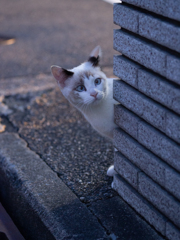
(85, 85)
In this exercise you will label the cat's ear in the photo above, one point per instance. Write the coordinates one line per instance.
(61, 75)
(95, 56)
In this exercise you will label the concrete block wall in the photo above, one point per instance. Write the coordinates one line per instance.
(148, 117)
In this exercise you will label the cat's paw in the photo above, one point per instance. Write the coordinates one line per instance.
(111, 171)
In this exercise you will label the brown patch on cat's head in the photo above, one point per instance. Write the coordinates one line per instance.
(80, 81)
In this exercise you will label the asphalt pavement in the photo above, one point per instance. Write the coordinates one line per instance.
(53, 32)
(52, 163)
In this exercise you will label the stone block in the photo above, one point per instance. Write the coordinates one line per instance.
(163, 201)
(151, 146)
(128, 96)
(136, 201)
(173, 68)
(147, 54)
(140, 156)
(149, 26)
(126, 70)
(125, 120)
(172, 233)
(159, 144)
(152, 85)
(126, 17)
(169, 8)
(146, 161)
(172, 182)
(140, 51)
(173, 126)
(147, 109)
(126, 169)
(159, 89)
(159, 31)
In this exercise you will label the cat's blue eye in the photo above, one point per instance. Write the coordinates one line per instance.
(81, 88)
(97, 81)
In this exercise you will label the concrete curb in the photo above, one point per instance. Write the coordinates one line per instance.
(42, 206)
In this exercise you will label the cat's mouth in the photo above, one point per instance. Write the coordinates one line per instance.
(97, 99)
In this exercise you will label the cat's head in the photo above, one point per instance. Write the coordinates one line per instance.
(85, 85)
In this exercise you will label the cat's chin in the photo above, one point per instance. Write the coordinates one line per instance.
(96, 101)
(90, 106)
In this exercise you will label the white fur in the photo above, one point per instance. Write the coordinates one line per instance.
(111, 171)
(99, 110)
(100, 115)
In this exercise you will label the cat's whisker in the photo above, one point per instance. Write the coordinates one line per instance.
(82, 106)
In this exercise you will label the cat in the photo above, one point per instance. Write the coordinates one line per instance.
(88, 89)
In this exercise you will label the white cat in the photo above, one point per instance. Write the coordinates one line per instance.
(88, 89)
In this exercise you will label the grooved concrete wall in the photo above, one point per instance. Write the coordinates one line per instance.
(148, 117)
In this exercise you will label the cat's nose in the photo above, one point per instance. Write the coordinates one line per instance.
(94, 94)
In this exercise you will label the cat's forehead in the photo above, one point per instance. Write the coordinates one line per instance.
(90, 74)
(86, 70)
(87, 75)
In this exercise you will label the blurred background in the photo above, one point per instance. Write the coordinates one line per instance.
(47, 32)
